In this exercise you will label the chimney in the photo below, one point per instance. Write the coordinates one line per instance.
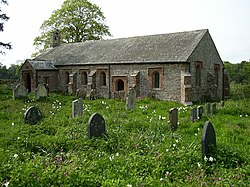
(55, 38)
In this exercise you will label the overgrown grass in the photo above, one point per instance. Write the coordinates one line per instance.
(139, 149)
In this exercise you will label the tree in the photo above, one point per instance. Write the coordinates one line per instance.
(76, 21)
(3, 17)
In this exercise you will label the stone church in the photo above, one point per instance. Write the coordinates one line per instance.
(182, 67)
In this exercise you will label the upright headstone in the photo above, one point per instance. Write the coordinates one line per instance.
(32, 115)
(96, 126)
(77, 108)
(173, 118)
(131, 99)
(208, 139)
(213, 108)
(199, 112)
(193, 114)
(20, 92)
(208, 108)
(41, 91)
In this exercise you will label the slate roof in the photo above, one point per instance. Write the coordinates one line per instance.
(42, 65)
(172, 47)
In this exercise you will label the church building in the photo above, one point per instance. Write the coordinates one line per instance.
(183, 67)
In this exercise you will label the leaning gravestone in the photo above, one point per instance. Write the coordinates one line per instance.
(193, 114)
(96, 126)
(199, 112)
(32, 115)
(131, 99)
(208, 108)
(20, 92)
(77, 108)
(208, 139)
(41, 91)
(213, 108)
(173, 118)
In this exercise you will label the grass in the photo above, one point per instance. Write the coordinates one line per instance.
(139, 149)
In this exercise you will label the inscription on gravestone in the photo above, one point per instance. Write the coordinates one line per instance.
(208, 139)
(32, 115)
(173, 118)
(131, 99)
(96, 126)
(77, 108)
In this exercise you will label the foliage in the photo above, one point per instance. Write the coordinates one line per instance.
(3, 17)
(11, 73)
(77, 21)
(139, 149)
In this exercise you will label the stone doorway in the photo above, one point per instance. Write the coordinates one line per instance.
(27, 82)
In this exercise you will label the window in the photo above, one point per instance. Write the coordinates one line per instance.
(120, 85)
(216, 72)
(103, 79)
(198, 74)
(66, 77)
(84, 78)
(156, 80)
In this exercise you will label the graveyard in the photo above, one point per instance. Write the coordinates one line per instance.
(141, 142)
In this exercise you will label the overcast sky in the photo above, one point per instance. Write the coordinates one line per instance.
(227, 20)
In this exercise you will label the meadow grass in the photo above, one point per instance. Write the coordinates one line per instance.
(138, 150)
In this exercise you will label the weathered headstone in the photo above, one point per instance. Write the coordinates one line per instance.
(173, 118)
(81, 93)
(208, 108)
(20, 92)
(208, 139)
(77, 108)
(213, 108)
(199, 112)
(96, 126)
(92, 95)
(32, 115)
(193, 114)
(41, 91)
(131, 99)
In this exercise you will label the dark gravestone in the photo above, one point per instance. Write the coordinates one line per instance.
(208, 108)
(32, 115)
(193, 114)
(173, 118)
(214, 108)
(96, 126)
(199, 112)
(208, 139)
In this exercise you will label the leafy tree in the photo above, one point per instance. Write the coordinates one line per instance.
(3, 17)
(76, 21)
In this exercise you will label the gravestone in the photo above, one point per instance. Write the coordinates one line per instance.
(77, 108)
(81, 93)
(92, 95)
(20, 92)
(208, 108)
(173, 118)
(199, 112)
(131, 99)
(208, 140)
(213, 108)
(222, 104)
(193, 114)
(96, 126)
(32, 115)
(41, 91)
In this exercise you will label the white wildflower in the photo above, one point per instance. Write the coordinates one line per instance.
(161, 179)
(205, 158)
(211, 159)
(117, 154)
(195, 134)
(199, 165)
(240, 116)
(174, 145)
(12, 124)
(6, 184)
(15, 155)
(129, 185)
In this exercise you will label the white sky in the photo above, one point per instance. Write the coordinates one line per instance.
(227, 20)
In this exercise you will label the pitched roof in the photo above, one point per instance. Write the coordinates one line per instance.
(172, 47)
(42, 65)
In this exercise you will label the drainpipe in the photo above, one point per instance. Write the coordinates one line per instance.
(109, 82)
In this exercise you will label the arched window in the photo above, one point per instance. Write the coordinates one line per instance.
(198, 75)
(84, 78)
(120, 85)
(103, 79)
(66, 77)
(156, 79)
